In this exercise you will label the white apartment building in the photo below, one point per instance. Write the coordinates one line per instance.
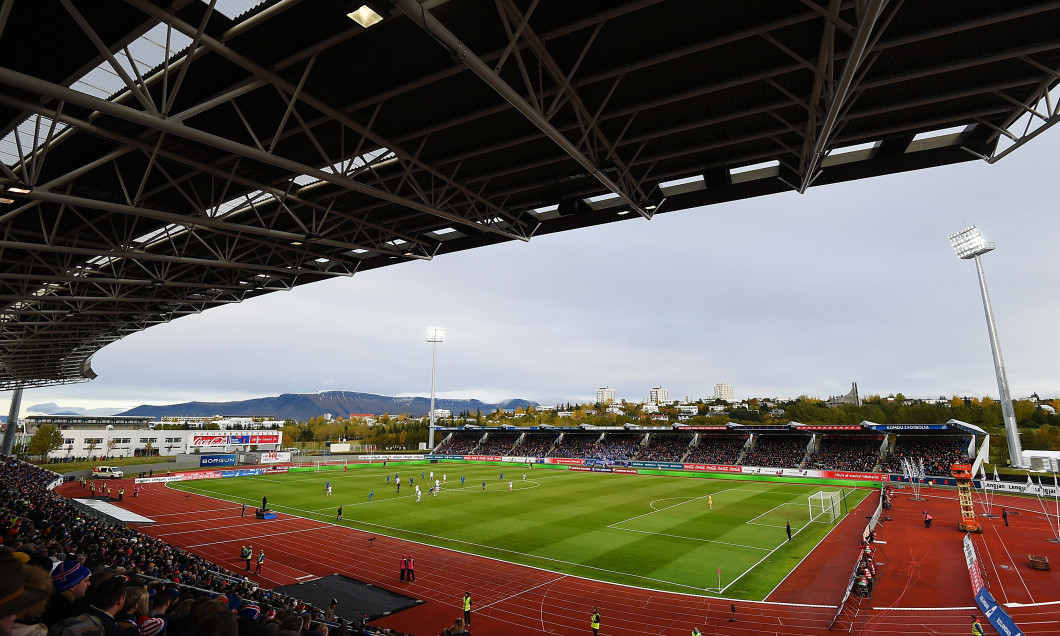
(659, 395)
(605, 395)
(724, 392)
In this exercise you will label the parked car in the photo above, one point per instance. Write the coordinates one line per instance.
(106, 472)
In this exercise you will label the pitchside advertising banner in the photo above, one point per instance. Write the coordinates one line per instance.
(1027, 487)
(716, 468)
(995, 613)
(842, 474)
(658, 465)
(157, 480)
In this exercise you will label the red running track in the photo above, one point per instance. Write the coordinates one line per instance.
(923, 588)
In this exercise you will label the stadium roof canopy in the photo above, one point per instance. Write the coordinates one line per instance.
(162, 158)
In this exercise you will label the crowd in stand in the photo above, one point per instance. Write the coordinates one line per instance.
(64, 573)
(536, 445)
(617, 447)
(717, 449)
(665, 447)
(782, 451)
(937, 453)
(574, 446)
(847, 453)
(837, 452)
(498, 444)
(460, 444)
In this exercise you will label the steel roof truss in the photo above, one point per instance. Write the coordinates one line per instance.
(290, 107)
(1029, 109)
(196, 135)
(463, 54)
(272, 78)
(593, 142)
(132, 86)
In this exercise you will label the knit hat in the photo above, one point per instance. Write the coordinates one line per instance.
(153, 627)
(69, 573)
(14, 595)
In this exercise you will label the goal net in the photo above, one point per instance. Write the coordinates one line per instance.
(825, 507)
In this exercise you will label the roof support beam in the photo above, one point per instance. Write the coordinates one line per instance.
(42, 87)
(418, 14)
(608, 151)
(843, 90)
(129, 144)
(481, 224)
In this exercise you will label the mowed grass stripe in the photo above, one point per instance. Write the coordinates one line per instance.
(649, 531)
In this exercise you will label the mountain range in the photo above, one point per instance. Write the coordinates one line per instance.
(302, 406)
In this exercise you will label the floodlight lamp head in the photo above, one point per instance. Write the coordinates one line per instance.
(435, 334)
(968, 243)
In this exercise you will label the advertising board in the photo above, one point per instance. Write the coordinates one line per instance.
(217, 460)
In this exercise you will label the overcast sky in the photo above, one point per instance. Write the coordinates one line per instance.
(778, 296)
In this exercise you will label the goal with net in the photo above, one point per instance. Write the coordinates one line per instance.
(825, 506)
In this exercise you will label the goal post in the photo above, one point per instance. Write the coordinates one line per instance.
(825, 506)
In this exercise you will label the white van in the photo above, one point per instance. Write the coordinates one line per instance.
(106, 472)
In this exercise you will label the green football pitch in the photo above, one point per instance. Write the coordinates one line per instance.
(659, 532)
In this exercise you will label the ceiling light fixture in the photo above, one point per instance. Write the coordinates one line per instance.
(365, 16)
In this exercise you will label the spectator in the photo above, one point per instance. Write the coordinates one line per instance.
(70, 580)
(456, 629)
(106, 601)
(15, 595)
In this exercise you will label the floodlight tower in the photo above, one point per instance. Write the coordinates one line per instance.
(434, 336)
(970, 245)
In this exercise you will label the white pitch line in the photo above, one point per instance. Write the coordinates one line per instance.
(677, 536)
(687, 500)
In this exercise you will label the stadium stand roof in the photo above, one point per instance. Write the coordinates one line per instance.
(164, 157)
(948, 425)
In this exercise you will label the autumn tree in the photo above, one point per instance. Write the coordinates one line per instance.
(45, 440)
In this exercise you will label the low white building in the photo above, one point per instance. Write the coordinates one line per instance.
(128, 442)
